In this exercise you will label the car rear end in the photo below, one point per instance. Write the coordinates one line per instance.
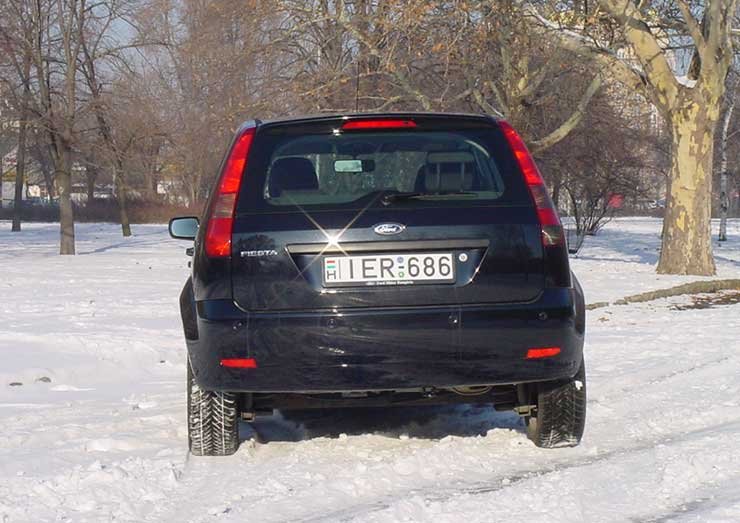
(398, 253)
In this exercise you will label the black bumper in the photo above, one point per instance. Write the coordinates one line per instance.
(387, 349)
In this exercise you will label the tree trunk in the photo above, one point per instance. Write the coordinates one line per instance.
(122, 203)
(557, 183)
(150, 186)
(40, 153)
(49, 182)
(20, 164)
(724, 196)
(576, 214)
(91, 175)
(63, 165)
(20, 173)
(687, 245)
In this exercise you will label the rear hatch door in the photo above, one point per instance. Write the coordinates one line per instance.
(430, 212)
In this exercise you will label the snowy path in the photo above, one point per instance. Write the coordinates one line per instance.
(105, 439)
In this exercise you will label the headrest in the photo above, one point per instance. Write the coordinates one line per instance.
(292, 174)
(448, 172)
(450, 157)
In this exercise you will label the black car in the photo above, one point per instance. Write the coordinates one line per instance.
(380, 260)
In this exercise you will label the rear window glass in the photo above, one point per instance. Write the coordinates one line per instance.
(348, 169)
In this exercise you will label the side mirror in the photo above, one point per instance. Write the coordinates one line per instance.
(184, 228)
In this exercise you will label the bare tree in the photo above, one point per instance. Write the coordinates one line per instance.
(168, 110)
(102, 49)
(20, 164)
(15, 33)
(520, 70)
(690, 104)
(439, 55)
(724, 192)
(56, 47)
(57, 27)
(216, 67)
(101, 111)
(39, 151)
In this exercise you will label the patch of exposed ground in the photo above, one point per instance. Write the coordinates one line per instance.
(708, 301)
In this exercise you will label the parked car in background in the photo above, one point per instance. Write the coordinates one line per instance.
(380, 260)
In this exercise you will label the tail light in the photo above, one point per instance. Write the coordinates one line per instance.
(552, 229)
(221, 212)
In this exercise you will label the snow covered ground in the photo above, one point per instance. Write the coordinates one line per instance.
(92, 424)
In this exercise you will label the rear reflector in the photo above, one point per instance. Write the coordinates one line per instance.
(356, 125)
(221, 213)
(239, 363)
(542, 352)
(552, 230)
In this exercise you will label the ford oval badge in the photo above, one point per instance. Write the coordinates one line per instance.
(387, 229)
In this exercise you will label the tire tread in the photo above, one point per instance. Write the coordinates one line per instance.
(561, 413)
(213, 421)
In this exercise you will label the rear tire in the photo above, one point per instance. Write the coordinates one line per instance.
(560, 416)
(213, 420)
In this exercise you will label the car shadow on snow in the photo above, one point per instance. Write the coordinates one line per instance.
(424, 422)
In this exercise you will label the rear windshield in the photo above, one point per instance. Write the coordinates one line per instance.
(394, 168)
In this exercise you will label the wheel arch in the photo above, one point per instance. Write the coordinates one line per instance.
(188, 313)
(580, 301)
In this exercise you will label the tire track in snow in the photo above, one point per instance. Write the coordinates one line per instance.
(221, 485)
(515, 478)
(729, 494)
(491, 485)
(662, 378)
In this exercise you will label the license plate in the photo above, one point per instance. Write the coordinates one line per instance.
(389, 269)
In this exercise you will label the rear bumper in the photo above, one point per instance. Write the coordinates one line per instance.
(387, 349)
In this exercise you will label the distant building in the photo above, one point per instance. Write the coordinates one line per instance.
(7, 174)
(33, 186)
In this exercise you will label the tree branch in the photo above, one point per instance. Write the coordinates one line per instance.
(692, 25)
(500, 99)
(623, 72)
(568, 125)
(648, 51)
(536, 80)
(483, 104)
(374, 51)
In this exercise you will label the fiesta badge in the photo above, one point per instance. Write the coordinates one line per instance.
(388, 229)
